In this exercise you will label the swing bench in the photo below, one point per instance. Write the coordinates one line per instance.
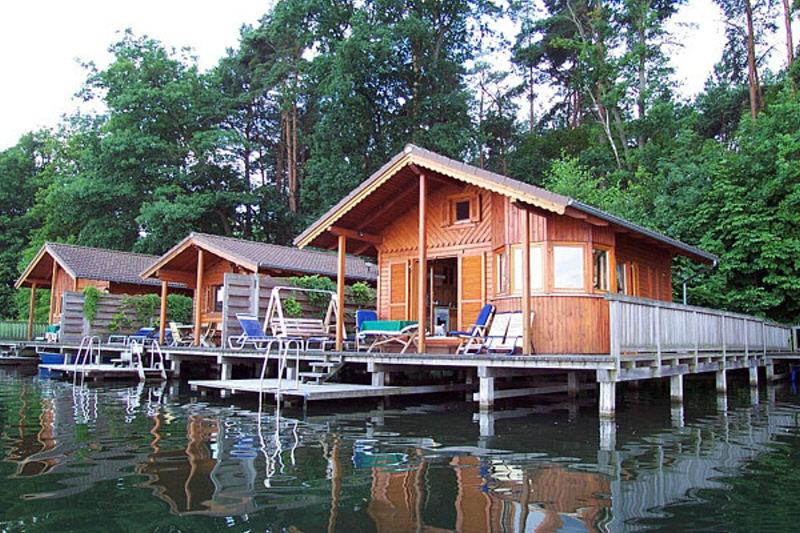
(317, 333)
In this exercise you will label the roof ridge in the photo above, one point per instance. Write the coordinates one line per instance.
(293, 248)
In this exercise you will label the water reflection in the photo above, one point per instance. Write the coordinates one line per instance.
(421, 468)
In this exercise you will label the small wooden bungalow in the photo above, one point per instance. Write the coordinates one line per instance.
(202, 260)
(67, 267)
(449, 237)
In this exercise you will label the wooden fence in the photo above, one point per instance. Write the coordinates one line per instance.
(74, 325)
(641, 326)
(250, 294)
(18, 330)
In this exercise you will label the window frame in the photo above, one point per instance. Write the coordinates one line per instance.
(574, 245)
(449, 218)
(513, 289)
(608, 254)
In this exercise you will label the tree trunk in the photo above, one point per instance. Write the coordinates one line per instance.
(787, 20)
(531, 98)
(642, 80)
(752, 75)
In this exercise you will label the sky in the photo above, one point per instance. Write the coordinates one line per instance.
(44, 41)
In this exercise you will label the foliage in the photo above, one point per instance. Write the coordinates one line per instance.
(319, 301)
(291, 307)
(91, 296)
(179, 308)
(142, 307)
(362, 294)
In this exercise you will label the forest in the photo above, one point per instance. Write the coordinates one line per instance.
(579, 99)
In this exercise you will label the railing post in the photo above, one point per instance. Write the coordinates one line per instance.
(657, 326)
(696, 328)
(746, 350)
(723, 337)
(615, 325)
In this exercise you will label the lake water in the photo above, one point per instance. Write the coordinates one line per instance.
(146, 458)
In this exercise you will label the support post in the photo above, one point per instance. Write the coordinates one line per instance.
(198, 296)
(769, 371)
(485, 388)
(572, 384)
(226, 370)
(423, 266)
(753, 370)
(377, 373)
(31, 307)
(527, 336)
(162, 317)
(53, 292)
(340, 294)
(722, 381)
(608, 391)
(676, 388)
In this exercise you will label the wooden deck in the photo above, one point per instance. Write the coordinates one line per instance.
(311, 392)
(103, 371)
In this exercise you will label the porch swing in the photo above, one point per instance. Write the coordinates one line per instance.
(316, 333)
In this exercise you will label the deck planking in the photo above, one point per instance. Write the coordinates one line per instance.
(324, 391)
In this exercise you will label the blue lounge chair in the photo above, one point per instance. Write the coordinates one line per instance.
(362, 315)
(479, 327)
(141, 336)
(251, 333)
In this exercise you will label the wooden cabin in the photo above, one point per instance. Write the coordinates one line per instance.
(67, 267)
(202, 260)
(449, 237)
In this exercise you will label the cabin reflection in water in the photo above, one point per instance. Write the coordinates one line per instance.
(193, 479)
(34, 436)
(493, 497)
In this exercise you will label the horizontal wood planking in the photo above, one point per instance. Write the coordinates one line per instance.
(565, 324)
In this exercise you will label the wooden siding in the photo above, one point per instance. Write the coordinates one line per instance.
(652, 274)
(565, 324)
(402, 234)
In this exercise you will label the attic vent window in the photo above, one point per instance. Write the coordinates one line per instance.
(462, 211)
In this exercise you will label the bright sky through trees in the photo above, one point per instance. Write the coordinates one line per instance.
(43, 41)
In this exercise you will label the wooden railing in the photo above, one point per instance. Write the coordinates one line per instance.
(18, 330)
(639, 326)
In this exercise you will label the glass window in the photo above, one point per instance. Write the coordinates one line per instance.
(462, 210)
(500, 268)
(537, 269)
(622, 281)
(600, 280)
(219, 297)
(568, 267)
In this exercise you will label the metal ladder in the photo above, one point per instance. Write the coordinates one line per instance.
(88, 350)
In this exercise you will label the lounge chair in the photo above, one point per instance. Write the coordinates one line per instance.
(251, 333)
(362, 315)
(178, 338)
(142, 335)
(513, 337)
(476, 331)
(402, 332)
(494, 336)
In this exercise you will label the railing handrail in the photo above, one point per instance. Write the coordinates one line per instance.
(616, 297)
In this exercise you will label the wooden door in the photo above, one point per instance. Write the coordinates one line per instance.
(471, 289)
(397, 291)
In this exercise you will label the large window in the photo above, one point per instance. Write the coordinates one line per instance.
(568, 267)
(600, 273)
(537, 270)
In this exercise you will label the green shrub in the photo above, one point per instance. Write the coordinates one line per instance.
(91, 295)
(362, 294)
(317, 300)
(179, 308)
(291, 307)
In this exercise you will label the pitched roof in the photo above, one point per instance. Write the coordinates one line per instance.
(258, 256)
(95, 263)
(525, 193)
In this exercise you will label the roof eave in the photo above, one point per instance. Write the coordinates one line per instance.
(688, 249)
